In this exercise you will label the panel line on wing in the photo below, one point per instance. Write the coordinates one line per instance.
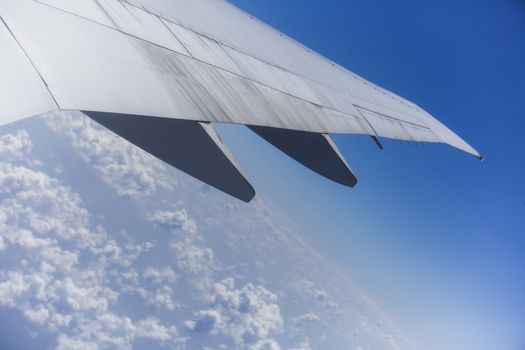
(229, 45)
(30, 60)
(288, 100)
(375, 137)
(347, 109)
(188, 54)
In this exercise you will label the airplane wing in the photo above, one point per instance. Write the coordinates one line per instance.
(158, 72)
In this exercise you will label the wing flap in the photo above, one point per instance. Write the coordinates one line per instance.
(313, 150)
(193, 147)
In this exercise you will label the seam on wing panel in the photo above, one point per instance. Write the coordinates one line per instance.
(358, 78)
(195, 59)
(375, 137)
(358, 107)
(172, 33)
(30, 61)
(230, 46)
(165, 25)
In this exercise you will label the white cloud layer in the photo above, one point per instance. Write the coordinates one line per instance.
(51, 288)
(247, 315)
(175, 220)
(228, 275)
(15, 147)
(129, 170)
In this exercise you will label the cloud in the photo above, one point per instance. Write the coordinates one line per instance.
(39, 315)
(310, 290)
(14, 147)
(67, 343)
(305, 345)
(129, 170)
(12, 285)
(64, 283)
(247, 315)
(266, 344)
(162, 275)
(161, 298)
(155, 287)
(151, 328)
(305, 319)
(175, 220)
(75, 275)
(33, 202)
(192, 257)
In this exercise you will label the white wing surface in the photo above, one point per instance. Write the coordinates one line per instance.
(195, 60)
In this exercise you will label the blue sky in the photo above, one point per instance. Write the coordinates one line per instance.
(433, 235)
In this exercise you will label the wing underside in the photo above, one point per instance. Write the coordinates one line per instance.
(192, 63)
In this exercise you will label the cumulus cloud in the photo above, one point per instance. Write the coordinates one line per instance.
(39, 315)
(162, 275)
(266, 344)
(152, 328)
(75, 273)
(309, 289)
(192, 256)
(305, 345)
(15, 147)
(305, 319)
(129, 170)
(13, 284)
(175, 220)
(154, 286)
(248, 315)
(65, 342)
(47, 222)
(161, 298)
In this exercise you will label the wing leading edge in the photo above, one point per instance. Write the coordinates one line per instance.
(189, 63)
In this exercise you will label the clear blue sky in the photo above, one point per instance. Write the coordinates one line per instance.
(434, 236)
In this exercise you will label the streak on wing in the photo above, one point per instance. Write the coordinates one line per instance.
(193, 147)
(313, 150)
(93, 66)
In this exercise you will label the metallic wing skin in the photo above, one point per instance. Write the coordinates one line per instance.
(23, 93)
(194, 60)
